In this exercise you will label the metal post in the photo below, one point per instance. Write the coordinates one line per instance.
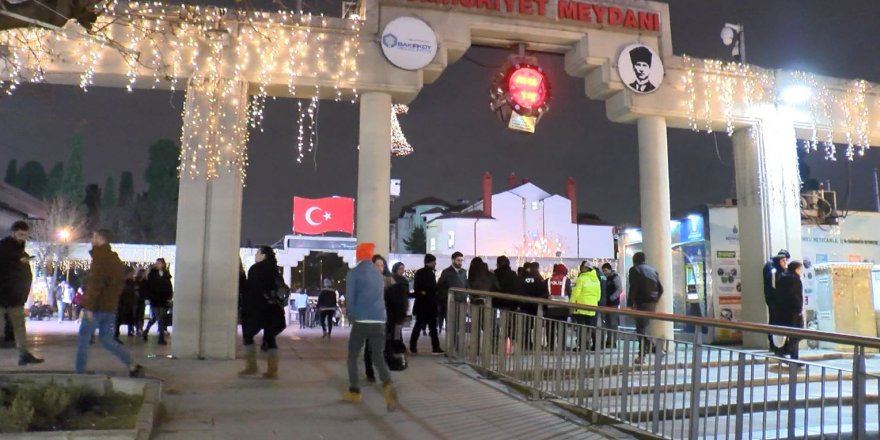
(624, 380)
(450, 347)
(740, 394)
(487, 315)
(792, 398)
(859, 392)
(696, 379)
(655, 414)
(538, 349)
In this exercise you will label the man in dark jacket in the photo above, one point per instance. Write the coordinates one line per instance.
(161, 291)
(453, 276)
(100, 303)
(425, 307)
(645, 290)
(613, 290)
(533, 286)
(15, 286)
(774, 270)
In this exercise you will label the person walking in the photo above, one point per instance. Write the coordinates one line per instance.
(396, 305)
(161, 293)
(141, 293)
(327, 301)
(261, 311)
(613, 288)
(15, 287)
(100, 304)
(587, 291)
(127, 305)
(425, 306)
(774, 270)
(65, 300)
(77, 304)
(301, 303)
(365, 303)
(452, 276)
(382, 266)
(790, 306)
(645, 290)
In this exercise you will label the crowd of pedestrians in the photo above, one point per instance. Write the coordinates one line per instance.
(376, 303)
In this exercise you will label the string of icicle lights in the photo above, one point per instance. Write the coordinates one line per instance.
(167, 46)
(708, 82)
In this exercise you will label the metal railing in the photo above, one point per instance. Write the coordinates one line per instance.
(669, 388)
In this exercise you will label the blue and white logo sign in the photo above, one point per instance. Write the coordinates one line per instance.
(409, 43)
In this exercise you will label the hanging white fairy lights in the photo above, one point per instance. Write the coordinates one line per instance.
(307, 127)
(166, 43)
(735, 85)
(399, 145)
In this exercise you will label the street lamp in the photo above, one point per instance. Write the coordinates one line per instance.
(734, 35)
(64, 234)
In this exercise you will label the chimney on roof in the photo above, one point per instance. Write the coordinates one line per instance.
(487, 194)
(511, 181)
(571, 192)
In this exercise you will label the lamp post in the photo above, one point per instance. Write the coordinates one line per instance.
(63, 236)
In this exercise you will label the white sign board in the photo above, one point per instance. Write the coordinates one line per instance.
(640, 68)
(395, 187)
(409, 43)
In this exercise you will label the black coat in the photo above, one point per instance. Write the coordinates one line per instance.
(327, 299)
(508, 282)
(449, 278)
(397, 300)
(789, 301)
(159, 288)
(771, 286)
(425, 291)
(15, 275)
(533, 287)
(257, 312)
(127, 304)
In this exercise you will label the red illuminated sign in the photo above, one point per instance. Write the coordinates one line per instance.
(527, 89)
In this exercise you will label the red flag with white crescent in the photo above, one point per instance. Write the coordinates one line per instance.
(317, 216)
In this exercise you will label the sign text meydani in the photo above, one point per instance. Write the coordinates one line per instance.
(595, 14)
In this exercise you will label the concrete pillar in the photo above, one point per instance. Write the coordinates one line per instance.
(374, 171)
(768, 208)
(656, 215)
(209, 231)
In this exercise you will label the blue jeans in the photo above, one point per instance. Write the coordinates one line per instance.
(105, 323)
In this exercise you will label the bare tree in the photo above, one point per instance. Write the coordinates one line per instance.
(63, 225)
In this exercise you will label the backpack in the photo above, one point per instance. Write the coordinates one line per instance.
(650, 289)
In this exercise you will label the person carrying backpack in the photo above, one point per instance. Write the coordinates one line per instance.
(327, 300)
(644, 290)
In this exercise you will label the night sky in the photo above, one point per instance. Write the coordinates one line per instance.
(457, 138)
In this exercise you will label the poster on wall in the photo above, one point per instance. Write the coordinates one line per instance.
(726, 272)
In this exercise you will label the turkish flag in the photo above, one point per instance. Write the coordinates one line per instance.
(317, 216)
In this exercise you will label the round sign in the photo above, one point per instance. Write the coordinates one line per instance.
(528, 88)
(640, 68)
(409, 43)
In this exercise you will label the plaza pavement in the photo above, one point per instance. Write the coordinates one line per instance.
(206, 400)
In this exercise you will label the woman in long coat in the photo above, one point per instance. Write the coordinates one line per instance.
(262, 312)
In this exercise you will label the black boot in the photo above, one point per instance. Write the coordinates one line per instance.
(26, 358)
